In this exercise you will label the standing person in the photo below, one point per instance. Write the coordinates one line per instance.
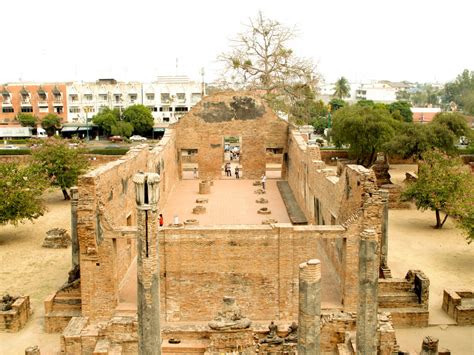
(195, 173)
(161, 220)
(264, 179)
(237, 172)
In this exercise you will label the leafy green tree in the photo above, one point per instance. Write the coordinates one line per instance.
(403, 95)
(121, 128)
(403, 108)
(454, 121)
(410, 140)
(50, 123)
(336, 104)
(27, 120)
(364, 129)
(140, 117)
(106, 119)
(21, 187)
(460, 91)
(342, 88)
(305, 108)
(443, 185)
(60, 163)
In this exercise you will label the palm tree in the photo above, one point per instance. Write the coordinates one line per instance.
(342, 88)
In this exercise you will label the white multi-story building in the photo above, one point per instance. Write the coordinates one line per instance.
(377, 91)
(168, 98)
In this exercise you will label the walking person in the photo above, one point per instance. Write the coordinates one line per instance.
(161, 220)
(237, 172)
(263, 181)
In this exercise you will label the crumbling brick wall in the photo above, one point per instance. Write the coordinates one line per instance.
(222, 115)
(107, 204)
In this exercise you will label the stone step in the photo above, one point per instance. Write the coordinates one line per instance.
(125, 309)
(57, 320)
(398, 300)
(408, 316)
(394, 285)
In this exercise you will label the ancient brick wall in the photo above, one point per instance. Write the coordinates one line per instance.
(241, 115)
(258, 265)
(106, 205)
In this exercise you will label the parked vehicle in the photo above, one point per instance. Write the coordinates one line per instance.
(21, 132)
(9, 146)
(137, 138)
(115, 139)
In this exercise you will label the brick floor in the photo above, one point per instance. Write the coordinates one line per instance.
(231, 201)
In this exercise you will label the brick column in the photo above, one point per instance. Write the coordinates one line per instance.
(309, 316)
(368, 294)
(148, 274)
(74, 240)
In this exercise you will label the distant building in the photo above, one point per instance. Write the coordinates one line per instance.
(424, 114)
(168, 98)
(34, 98)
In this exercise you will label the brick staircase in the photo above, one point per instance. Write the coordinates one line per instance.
(404, 299)
(60, 307)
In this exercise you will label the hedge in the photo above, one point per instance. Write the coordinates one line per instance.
(24, 151)
(110, 151)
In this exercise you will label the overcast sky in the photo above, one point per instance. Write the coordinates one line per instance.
(54, 40)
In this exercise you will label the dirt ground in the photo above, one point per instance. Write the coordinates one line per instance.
(27, 268)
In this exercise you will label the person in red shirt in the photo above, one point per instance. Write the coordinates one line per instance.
(161, 220)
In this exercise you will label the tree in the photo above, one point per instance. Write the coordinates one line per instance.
(305, 109)
(364, 129)
(27, 120)
(60, 163)
(261, 59)
(336, 104)
(460, 91)
(50, 123)
(21, 187)
(443, 185)
(106, 119)
(140, 118)
(403, 108)
(121, 128)
(453, 121)
(342, 88)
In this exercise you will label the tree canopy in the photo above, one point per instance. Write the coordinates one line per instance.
(21, 187)
(403, 108)
(60, 163)
(50, 123)
(444, 185)
(139, 117)
(27, 120)
(364, 129)
(461, 92)
(342, 88)
(106, 119)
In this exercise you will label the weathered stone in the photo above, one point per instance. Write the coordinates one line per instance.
(264, 210)
(204, 188)
(14, 312)
(199, 209)
(33, 350)
(269, 221)
(309, 312)
(191, 222)
(57, 238)
(202, 200)
(261, 200)
(230, 317)
(260, 192)
(429, 346)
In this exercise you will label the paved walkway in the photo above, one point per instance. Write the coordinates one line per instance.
(230, 202)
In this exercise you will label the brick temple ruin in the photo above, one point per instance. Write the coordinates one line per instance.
(312, 279)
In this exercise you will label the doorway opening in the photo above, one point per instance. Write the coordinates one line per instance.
(231, 167)
(274, 162)
(189, 165)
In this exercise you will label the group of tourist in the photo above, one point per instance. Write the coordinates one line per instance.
(228, 170)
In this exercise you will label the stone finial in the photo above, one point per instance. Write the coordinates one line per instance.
(139, 180)
(33, 350)
(147, 190)
(429, 346)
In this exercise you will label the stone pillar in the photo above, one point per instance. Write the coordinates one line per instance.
(384, 241)
(74, 240)
(148, 274)
(33, 350)
(309, 310)
(367, 309)
(429, 346)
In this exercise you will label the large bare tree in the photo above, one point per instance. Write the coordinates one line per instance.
(261, 59)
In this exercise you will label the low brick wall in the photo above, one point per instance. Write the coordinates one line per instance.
(459, 305)
(16, 318)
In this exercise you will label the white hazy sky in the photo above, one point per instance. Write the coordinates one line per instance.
(60, 40)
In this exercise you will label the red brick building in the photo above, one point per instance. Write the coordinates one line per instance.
(35, 99)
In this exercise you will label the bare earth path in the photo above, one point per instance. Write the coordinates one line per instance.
(27, 268)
